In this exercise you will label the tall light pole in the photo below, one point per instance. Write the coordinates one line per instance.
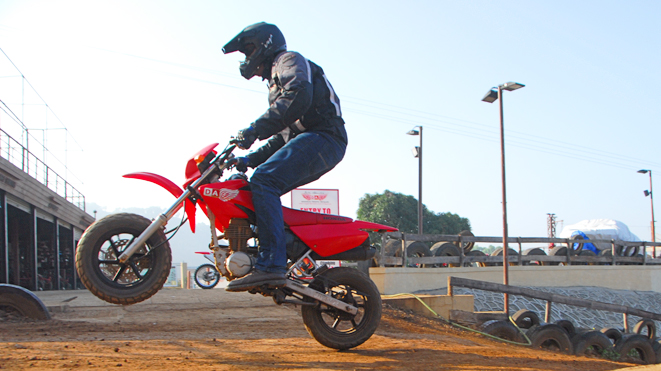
(649, 193)
(491, 97)
(417, 152)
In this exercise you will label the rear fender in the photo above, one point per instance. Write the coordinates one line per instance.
(174, 189)
(331, 238)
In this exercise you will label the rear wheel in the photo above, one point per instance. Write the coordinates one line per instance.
(207, 276)
(139, 278)
(337, 329)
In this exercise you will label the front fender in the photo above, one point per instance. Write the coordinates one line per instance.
(174, 189)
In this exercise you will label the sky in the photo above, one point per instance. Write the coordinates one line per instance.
(143, 85)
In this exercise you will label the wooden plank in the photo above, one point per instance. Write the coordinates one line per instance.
(555, 298)
(430, 260)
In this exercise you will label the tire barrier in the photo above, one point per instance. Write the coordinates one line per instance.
(503, 330)
(578, 248)
(525, 319)
(568, 326)
(23, 301)
(560, 251)
(550, 337)
(586, 253)
(445, 249)
(656, 345)
(647, 325)
(467, 246)
(416, 249)
(393, 247)
(592, 343)
(612, 333)
(499, 252)
(476, 264)
(635, 349)
(534, 251)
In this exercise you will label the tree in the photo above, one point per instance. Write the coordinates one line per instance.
(401, 211)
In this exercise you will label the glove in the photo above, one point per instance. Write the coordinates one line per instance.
(246, 137)
(240, 163)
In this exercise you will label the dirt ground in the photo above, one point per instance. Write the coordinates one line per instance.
(215, 330)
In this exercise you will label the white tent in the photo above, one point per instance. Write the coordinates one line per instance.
(601, 229)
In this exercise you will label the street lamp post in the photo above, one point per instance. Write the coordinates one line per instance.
(649, 193)
(491, 97)
(417, 152)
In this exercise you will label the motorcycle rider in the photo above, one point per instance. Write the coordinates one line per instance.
(307, 139)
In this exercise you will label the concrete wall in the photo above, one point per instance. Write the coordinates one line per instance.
(622, 277)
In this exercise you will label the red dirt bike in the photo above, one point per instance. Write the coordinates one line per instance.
(125, 258)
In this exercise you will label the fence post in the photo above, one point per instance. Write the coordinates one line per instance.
(404, 257)
(450, 293)
(382, 252)
(520, 253)
(462, 256)
(547, 313)
(613, 251)
(644, 253)
(625, 317)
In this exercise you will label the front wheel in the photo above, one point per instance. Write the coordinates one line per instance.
(139, 278)
(338, 329)
(207, 276)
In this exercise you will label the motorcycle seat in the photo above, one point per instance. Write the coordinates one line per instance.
(298, 217)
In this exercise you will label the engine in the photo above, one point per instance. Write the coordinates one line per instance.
(239, 263)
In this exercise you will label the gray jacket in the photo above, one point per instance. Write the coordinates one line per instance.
(301, 99)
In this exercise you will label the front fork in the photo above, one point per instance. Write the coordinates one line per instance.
(163, 219)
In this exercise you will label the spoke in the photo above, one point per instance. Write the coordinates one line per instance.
(114, 246)
(119, 273)
(135, 269)
(353, 322)
(337, 322)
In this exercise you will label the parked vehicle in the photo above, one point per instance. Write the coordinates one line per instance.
(125, 258)
(206, 275)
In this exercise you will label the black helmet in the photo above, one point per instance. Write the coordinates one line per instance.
(260, 43)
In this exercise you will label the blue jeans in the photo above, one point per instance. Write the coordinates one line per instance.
(302, 160)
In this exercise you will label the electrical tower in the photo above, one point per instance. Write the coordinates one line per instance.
(551, 227)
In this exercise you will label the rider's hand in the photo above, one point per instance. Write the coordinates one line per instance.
(246, 137)
(240, 163)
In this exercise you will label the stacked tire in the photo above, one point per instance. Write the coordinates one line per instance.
(641, 346)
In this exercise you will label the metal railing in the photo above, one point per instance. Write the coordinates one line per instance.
(12, 151)
(616, 255)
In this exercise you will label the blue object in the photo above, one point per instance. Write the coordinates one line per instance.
(302, 160)
(586, 245)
